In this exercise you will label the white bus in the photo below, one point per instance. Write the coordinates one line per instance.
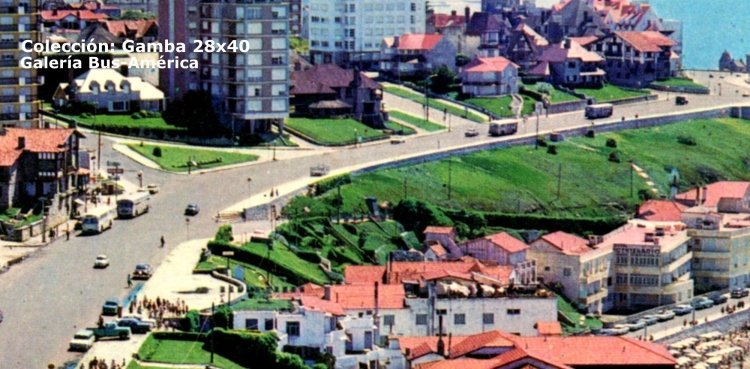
(98, 220)
(133, 205)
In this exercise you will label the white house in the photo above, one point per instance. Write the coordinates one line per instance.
(489, 77)
(110, 91)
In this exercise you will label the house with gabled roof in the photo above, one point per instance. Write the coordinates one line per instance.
(569, 64)
(412, 55)
(636, 58)
(491, 76)
(493, 31)
(110, 91)
(524, 46)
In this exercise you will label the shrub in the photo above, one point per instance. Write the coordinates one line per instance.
(156, 152)
(614, 157)
(192, 321)
(224, 234)
(552, 149)
(687, 140)
(136, 116)
(416, 215)
(310, 256)
(645, 194)
(86, 115)
(541, 141)
(223, 317)
(611, 142)
(590, 133)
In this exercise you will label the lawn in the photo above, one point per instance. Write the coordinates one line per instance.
(10, 214)
(181, 352)
(400, 128)
(282, 255)
(679, 82)
(610, 93)
(334, 132)
(261, 304)
(252, 275)
(522, 179)
(434, 103)
(121, 120)
(555, 95)
(497, 105)
(416, 122)
(565, 308)
(175, 158)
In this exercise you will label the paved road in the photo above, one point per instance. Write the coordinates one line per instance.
(55, 292)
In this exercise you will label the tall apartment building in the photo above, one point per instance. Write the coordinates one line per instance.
(249, 89)
(351, 31)
(19, 102)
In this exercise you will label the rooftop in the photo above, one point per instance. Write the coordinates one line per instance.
(418, 42)
(493, 64)
(714, 192)
(661, 211)
(507, 242)
(646, 41)
(35, 141)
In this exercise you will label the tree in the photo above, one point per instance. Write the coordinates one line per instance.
(416, 215)
(461, 60)
(195, 112)
(223, 317)
(442, 80)
(136, 15)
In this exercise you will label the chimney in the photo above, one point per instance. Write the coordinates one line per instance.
(21, 142)
(697, 195)
(453, 13)
(440, 343)
(377, 300)
(396, 40)
(566, 43)
(467, 13)
(327, 292)
(54, 12)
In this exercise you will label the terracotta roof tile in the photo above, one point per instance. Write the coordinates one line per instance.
(549, 328)
(575, 351)
(646, 41)
(494, 64)
(568, 243)
(324, 78)
(715, 192)
(362, 296)
(507, 242)
(558, 53)
(36, 141)
(315, 303)
(438, 230)
(122, 28)
(438, 250)
(441, 20)
(475, 342)
(661, 211)
(411, 41)
(87, 15)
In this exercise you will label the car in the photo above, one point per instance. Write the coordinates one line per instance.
(718, 298)
(746, 94)
(101, 262)
(143, 271)
(136, 326)
(650, 319)
(701, 303)
(710, 76)
(665, 315)
(471, 132)
(739, 292)
(617, 330)
(82, 340)
(682, 309)
(192, 209)
(636, 325)
(151, 322)
(111, 306)
(397, 140)
(681, 100)
(153, 188)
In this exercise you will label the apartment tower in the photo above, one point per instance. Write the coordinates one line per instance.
(19, 103)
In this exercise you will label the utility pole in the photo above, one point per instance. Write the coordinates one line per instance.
(559, 176)
(212, 333)
(450, 177)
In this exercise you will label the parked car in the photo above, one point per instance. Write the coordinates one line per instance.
(718, 298)
(82, 340)
(682, 309)
(650, 319)
(151, 322)
(192, 209)
(101, 262)
(110, 329)
(701, 303)
(143, 271)
(110, 306)
(617, 330)
(739, 292)
(153, 188)
(637, 325)
(681, 100)
(136, 326)
(471, 132)
(665, 315)
(397, 140)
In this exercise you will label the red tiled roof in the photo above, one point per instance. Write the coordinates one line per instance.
(585, 40)
(438, 250)
(576, 351)
(646, 41)
(716, 191)
(438, 230)
(322, 79)
(87, 15)
(568, 243)
(411, 41)
(440, 20)
(318, 304)
(507, 242)
(121, 28)
(661, 211)
(558, 53)
(549, 328)
(477, 341)
(357, 274)
(494, 64)
(36, 141)
(406, 271)
(362, 296)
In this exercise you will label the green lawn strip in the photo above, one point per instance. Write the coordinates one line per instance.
(524, 179)
(435, 103)
(262, 304)
(400, 128)
(334, 131)
(121, 120)
(181, 352)
(134, 365)
(555, 96)
(280, 254)
(497, 105)
(610, 93)
(175, 158)
(415, 121)
(679, 82)
(528, 105)
(253, 275)
(565, 308)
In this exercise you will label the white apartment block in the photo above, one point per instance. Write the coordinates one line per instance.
(346, 31)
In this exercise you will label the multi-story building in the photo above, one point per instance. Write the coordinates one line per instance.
(345, 32)
(19, 100)
(584, 272)
(568, 63)
(636, 58)
(489, 77)
(249, 89)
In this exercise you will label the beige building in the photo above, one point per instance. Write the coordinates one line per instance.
(19, 100)
(584, 272)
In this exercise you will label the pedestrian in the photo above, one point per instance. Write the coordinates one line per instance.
(277, 192)
(99, 323)
(162, 241)
(130, 281)
(67, 235)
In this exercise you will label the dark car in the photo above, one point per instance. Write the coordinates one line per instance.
(111, 306)
(702, 303)
(134, 325)
(718, 298)
(192, 209)
(143, 271)
(681, 100)
(739, 292)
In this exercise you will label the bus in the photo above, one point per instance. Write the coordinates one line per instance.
(503, 127)
(133, 205)
(98, 220)
(598, 111)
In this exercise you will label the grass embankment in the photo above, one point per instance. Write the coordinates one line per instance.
(180, 352)
(435, 103)
(416, 122)
(554, 95)
(124, 120)
(565, 308)
(679, 82)
(252, 275)
(175, 158)
(610, 93)
(334, 132)
(522, 179)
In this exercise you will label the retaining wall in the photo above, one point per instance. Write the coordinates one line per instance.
(682, 89)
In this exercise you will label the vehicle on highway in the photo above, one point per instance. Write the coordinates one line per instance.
(471, 132)
(599, 111)
(82, 340)
(397, 140)
(680, 100)
(153, 188)
(701, 303)
(133, 205)
(718, 298)
(682, 309)
(503, 128)
(739, 292)
(101, 262)
(636, 325)
(110, 306)
(136, 326)
(665, 315)
(143, 271)
(111, 329)
(192, 209)
(650, 319)
(617, 330)
(98, 220)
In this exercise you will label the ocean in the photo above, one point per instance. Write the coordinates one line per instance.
(709, 26)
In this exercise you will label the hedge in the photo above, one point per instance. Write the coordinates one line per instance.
(328, 184)
(538, 96)
(249, 349)
(180, 336)
(310, 256)
(224, 234)
(580, 226)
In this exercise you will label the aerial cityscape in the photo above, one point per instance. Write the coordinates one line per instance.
(361, 184)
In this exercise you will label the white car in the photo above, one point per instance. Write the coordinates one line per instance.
(617, 330)
(149, 321)
(82, 340)
(665, 315)
(397, 140)
(636, 325)
(101, 262)
(153, 188)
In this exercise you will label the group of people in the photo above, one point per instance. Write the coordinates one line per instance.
(158, 308)
(102, 364)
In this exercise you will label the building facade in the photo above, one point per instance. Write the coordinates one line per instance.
(636, 58)
(19, 98)
(489, 77)
(249, 89)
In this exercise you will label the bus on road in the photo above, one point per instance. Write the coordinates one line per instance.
(133, 205)
(98, 220)
(599, 111)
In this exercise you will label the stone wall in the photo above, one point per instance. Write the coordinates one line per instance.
(682, 89)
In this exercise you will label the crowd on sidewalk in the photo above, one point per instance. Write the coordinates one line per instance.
(158, 308)
(96, 363)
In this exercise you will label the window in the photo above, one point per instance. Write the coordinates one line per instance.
(278, 74)
(279, 104)
(251, 324)
(421, 319)
(442, 311)
(459, 319)
(292, 329)
(389, 320)
(513, 311)
(278, 43)
(268, 325)
(566, 272)
(546, 269)
(488, 318)
(413, 7)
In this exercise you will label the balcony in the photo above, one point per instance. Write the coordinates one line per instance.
(596, 296)
(597, 275)
(9, 63)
